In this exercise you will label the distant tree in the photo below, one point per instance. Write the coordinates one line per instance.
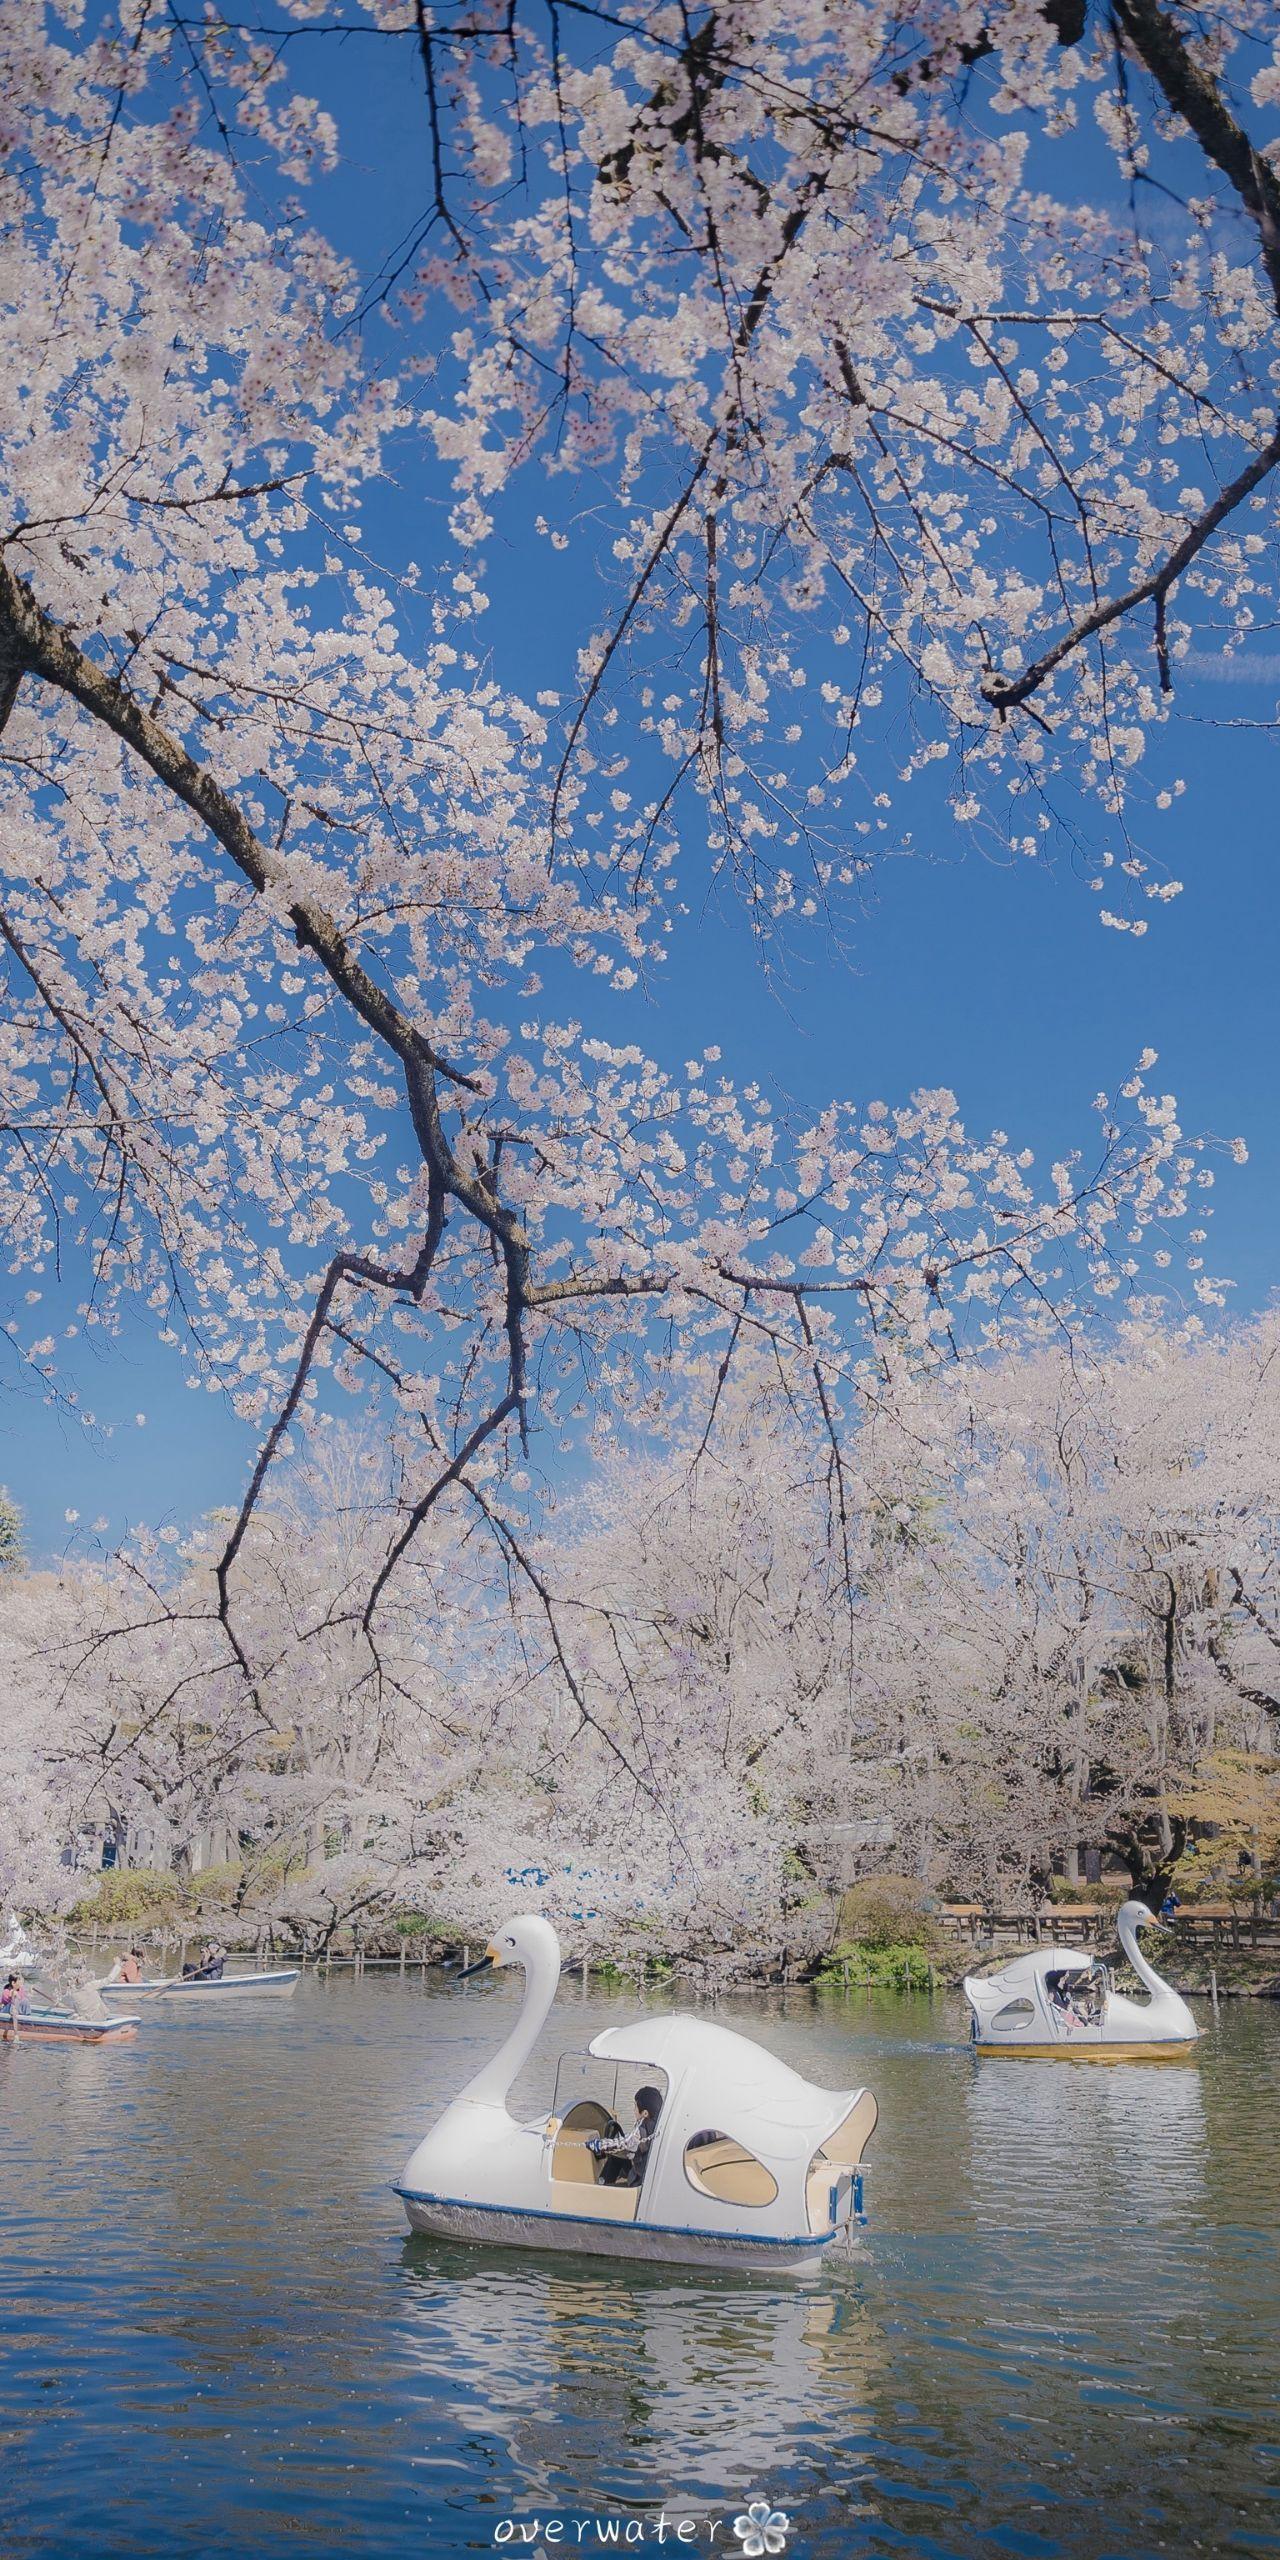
(1234, 1798)
(1038, 1612)
(12, 1556)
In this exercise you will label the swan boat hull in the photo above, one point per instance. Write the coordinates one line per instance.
(1182, 2050)
(171, 1991)
(531, 2227)
(58, 2026)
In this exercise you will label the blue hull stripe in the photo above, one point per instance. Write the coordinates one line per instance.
(599, 2221)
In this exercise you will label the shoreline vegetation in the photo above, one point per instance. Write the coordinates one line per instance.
(884, 1934)
(1243, 1972)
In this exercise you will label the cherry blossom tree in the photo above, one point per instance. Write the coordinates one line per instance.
(1080, 1615)
(38, 1806)
(1045, 1623)
(884, 430)
(927, 359)
(315, 1792)
(1051, 1631)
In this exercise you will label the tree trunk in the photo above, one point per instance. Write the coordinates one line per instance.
(1151, 1867)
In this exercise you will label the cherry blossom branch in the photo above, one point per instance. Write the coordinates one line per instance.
(1195, 96)
(30, 637)
(660, 544)
(1154, 589)
(515, 1549)
(344, 1269)
(451, 1474)
(34, 639)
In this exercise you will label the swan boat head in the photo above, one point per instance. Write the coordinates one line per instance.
(530, 1942)
(1060, 2001)
(743, 2163)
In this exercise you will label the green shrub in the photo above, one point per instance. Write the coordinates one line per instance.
(215, 1885)
(1109, 1889)
(886, 1911)
(128, 1894)
(851, 1967)
(1193, 1884)
(273, 1866)
(1243, 1891)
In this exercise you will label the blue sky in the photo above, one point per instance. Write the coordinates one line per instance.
(998, 981)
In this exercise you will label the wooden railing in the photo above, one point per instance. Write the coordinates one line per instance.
(1068, 1924)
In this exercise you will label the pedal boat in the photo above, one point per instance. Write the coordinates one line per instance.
(187, 1991)
(749, 2165)
(38, 2025)
(1059, 2003)
(17, 1948)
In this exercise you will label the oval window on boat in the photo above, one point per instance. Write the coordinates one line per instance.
(1015, 2013)
(718, 2165)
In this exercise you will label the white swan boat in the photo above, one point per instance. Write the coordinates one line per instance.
(17, 1949)
(189, 1991)
(1060, 2001)
(748, 2165)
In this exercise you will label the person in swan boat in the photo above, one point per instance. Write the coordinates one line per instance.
(625, 2154)
(1080, 1999)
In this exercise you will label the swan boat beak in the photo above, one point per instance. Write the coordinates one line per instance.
(490, 1956)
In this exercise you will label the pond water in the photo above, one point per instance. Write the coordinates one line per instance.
(1059, 2335)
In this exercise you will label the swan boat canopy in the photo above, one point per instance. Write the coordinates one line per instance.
(1060, 2001)
(748, 2165)
(186, 1991)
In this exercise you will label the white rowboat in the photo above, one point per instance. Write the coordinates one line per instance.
(187, 1991)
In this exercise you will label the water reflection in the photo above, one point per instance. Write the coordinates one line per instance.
(640, 2381)
(1038, 2130)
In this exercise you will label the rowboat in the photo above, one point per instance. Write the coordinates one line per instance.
(37, 2025)
(188, 1991)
